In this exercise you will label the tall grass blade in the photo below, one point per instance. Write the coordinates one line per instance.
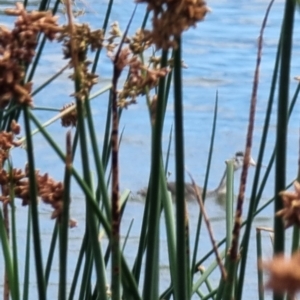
(52, 249)
(282, 115)
(197, 236)
(64, 222)
(151, 275)
(27, 257)
(183, 278)
(7, 257)
(260, 279)
(34, 208)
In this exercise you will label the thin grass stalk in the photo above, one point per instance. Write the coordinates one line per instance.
(123, 200)
(77, 268)
(48, 81)
(282, 115)
(6, 224)
(241, 196)
(226, 285)
(115, 208)
(144, 23)
(104, 27)
(206, 273)
(210, 295)
(9, 268)
(255, 197)
(168, 151)
(87, 270)
(14, 239)
(105, 148)
(52, 249)
(127, 235)
(102, 189)
(128, 281)
(64, 222)
(38, 54)
(27, 257)
(197, 236)
(151, 277)
(207, 283)
(182, 238)
(229, 203)
(170, 222)
(208, 224)
(136, 270)
(260, 280)
(34, 208)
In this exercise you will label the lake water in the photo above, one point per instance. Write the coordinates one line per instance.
(221, 56)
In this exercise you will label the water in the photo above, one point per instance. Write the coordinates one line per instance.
(221, 55)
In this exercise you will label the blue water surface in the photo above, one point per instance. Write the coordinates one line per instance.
(221, 56)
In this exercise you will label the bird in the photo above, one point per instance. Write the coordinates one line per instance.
(218, 192)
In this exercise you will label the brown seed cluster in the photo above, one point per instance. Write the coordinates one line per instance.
(7, 141)
(69, 119)
(291, 206)
(83, 40)
(284, 274)
(172, 17)
(140, 41)
(141, 79)
(17, 48)
(16, 184)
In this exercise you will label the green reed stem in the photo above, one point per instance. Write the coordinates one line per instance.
(48, 81)
(34, 209)
(7, 257)
(282, 118)
(150, 291)
(170, 222)
(64, 222)
(27, 257)
(14, 239)
(260, 279)
(101, 189)
(226, 286)
(254, 200)
(104, 27)
(77, 268)
(51, 253)
(197, 236)
(183, 278)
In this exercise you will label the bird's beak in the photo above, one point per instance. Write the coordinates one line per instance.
(252, 162)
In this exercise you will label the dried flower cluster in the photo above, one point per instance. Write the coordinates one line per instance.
(7, 141)
(82, 39)
(141, 78)
(284, 274)
(291, 210)
(49, 190)
(114, 33)
(140, 41)
(171, 18)
(70, 119)
(15, 183)
(17, 47)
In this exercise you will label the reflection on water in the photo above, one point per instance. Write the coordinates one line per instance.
(221, 54)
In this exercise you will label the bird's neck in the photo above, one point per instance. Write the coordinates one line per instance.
(222, 185)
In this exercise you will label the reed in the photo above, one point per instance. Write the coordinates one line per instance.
(102, 269)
